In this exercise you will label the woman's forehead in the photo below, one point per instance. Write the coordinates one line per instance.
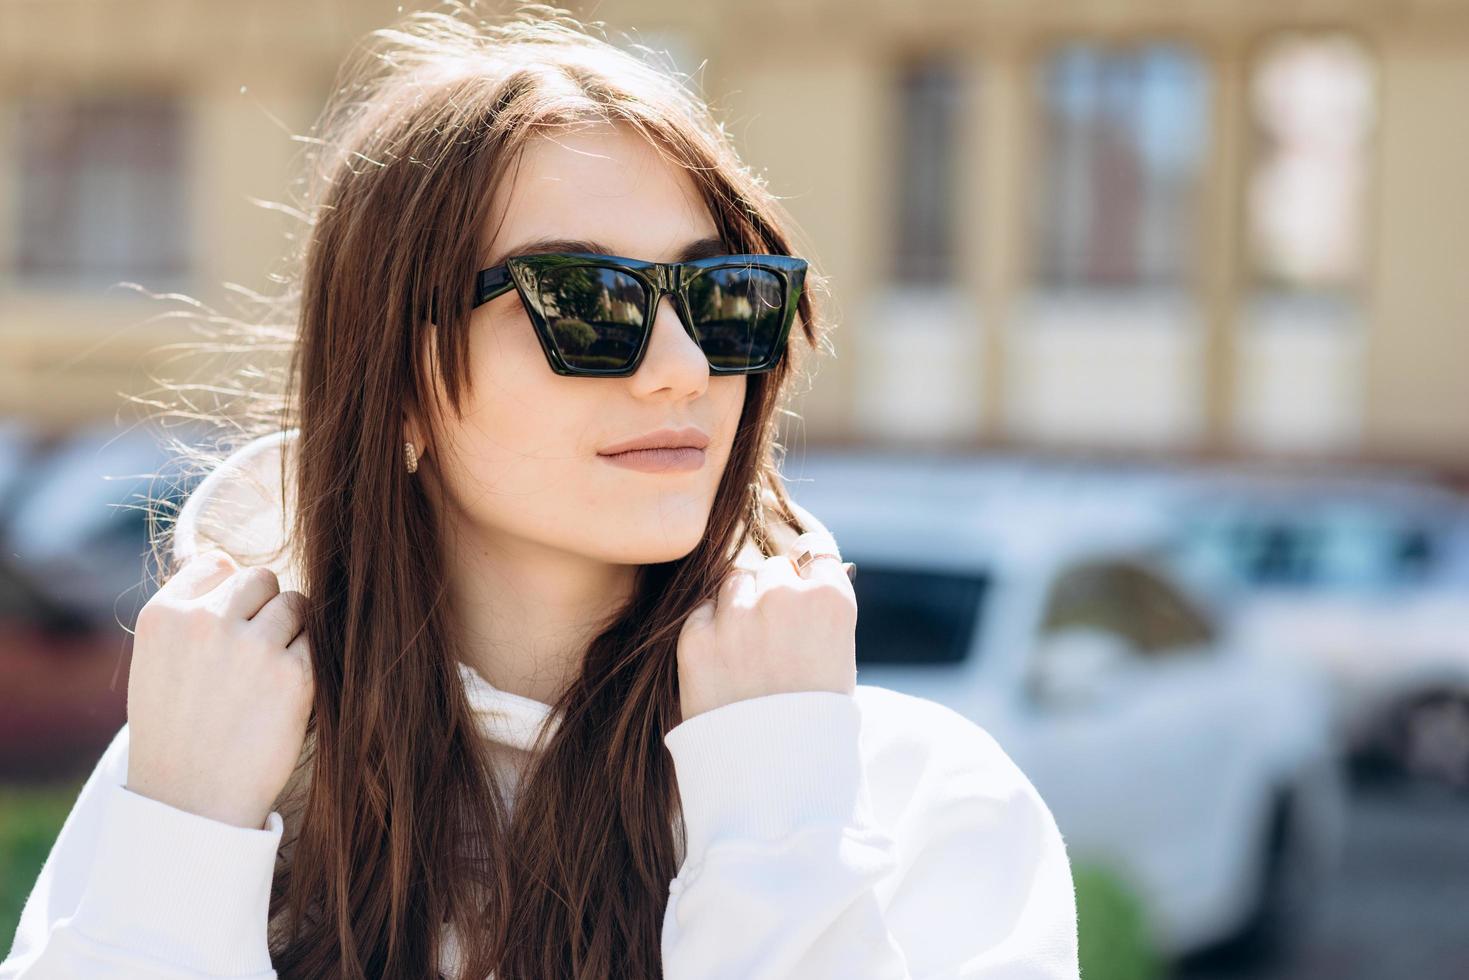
(605, 186)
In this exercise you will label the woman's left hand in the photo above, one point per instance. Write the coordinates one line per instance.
(771, 630)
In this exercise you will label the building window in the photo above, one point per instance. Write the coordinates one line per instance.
(103, 190)
(1124, 136)
(1312, 99)
(929, 108)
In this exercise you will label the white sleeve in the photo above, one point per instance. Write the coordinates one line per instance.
(134, 888)
(787, 873)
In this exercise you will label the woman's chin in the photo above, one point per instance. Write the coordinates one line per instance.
(663, 544)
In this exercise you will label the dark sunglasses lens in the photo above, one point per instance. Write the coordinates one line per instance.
(595, 315)
(737, 313)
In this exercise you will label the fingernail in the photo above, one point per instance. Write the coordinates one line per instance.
(851, 568)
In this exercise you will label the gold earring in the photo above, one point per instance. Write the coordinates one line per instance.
(410, 456)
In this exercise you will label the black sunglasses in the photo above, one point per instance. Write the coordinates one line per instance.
(593, 313)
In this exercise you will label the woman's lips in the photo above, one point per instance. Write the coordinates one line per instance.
(682, 459)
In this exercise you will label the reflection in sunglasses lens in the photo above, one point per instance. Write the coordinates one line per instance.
(737, 314)
(596, 315)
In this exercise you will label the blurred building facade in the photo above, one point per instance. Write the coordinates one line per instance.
(1135, 225)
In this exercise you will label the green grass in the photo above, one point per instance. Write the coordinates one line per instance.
(30, 818)
(1112, 929)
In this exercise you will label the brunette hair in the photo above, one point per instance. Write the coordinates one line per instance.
(397, 823)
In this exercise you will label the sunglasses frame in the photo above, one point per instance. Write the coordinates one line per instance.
(522, 272)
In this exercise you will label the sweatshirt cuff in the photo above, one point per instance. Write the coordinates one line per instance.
(184, 888)
(765, 767)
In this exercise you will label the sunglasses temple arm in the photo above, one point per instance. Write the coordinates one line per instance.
(491, 283)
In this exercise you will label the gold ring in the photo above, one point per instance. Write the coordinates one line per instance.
(807, 558)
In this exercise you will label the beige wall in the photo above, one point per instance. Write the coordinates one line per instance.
(66, 356)
(804, 90)
(1234, 377)
(1418, 362)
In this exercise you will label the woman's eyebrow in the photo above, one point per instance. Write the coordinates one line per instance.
(702, 249)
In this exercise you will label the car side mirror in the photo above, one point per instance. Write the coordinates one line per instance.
(1078, 667)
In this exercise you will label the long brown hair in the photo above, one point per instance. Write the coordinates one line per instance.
(397, 823)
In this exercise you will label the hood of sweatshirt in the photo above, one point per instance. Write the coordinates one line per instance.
(245, 505)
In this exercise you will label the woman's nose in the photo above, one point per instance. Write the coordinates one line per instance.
(673, 361)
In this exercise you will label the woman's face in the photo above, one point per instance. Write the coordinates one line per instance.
(522, 466)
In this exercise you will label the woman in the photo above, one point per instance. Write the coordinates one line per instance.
(554, 707)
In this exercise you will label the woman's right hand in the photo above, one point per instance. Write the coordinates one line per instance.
(220, 691)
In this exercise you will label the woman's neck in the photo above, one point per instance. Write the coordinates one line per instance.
(527, 612)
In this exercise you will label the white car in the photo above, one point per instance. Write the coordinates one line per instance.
(1368, 579)
(75, 522)
(1200, 771)
(1363, 572)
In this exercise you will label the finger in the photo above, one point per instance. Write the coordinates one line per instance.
(199, 575)
(823, 569)
(734, 581)
(729, 590)
(281, 617)
(300, 648)
(777, 570)
(741, 587)
(749, 559)
(300, 651)
(816, 542)
(821, 548)
(248, 590)
(826, 560)
(700, 616)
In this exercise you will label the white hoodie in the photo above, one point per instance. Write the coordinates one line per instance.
(830, 836)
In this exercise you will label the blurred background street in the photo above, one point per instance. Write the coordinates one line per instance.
(1148, 424)
(1396, 909)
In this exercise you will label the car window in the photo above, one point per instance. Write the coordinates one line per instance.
(1130, 601)
(1415, 553)
(1277, 552)
(1330, 548)
(917, 616)
(1093, 596)
(1168, 620)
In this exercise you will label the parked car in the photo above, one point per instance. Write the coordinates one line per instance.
(1362, 571)
(1370, 579)
(60, 699)
(75, 524)
(17, 451)
(1199, 769)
